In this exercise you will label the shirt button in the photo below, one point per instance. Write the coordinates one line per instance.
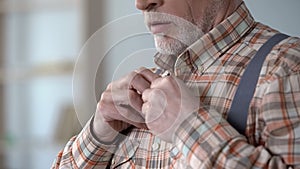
(200, 69)
(155, 146)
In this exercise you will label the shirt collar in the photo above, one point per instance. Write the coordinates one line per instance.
(205, 51)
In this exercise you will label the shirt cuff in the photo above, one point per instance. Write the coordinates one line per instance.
(88, 150)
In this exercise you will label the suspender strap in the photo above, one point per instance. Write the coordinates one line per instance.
(238, 113)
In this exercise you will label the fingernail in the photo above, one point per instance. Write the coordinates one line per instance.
(140, 69)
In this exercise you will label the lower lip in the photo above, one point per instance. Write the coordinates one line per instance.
(160, 28)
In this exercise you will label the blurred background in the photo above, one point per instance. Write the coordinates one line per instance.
(39, 43)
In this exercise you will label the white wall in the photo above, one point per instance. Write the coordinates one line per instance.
(282, 15)
(122, 58)
(39, 39)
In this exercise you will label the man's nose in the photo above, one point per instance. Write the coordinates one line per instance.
(147, 5)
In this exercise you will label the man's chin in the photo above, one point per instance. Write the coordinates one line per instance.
(169, 46)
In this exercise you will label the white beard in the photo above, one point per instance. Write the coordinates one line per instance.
(174, 46)
(181, 34)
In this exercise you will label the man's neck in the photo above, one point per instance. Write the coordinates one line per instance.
(227, 10)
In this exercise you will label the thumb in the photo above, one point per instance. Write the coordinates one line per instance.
(148, 74)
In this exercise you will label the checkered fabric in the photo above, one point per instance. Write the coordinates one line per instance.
(212, 68)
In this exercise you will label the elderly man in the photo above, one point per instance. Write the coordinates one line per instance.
(179, 116)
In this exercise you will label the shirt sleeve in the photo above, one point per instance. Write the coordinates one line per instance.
(207, 140)
(84, 151)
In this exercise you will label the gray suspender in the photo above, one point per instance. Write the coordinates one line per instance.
(238, 113)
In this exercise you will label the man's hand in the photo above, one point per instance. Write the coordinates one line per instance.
(167, 104)
(120, 105)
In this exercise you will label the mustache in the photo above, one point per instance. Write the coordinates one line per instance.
(152, 18)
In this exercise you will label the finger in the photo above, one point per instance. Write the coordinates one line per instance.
(140, 69)
(121, 111)
(110, 113)
(155, 104)
(117, 97)
(135, 100)
(125, 97)
(165, 83)
(124, 82)
(146, 109)
(128, 115)
(146, 95)
(139, 83)
(149, 75)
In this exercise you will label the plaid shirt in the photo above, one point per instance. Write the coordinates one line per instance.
(212, 68)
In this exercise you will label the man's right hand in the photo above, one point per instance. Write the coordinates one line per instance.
(120, 105)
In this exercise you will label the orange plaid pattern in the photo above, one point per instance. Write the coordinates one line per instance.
(212, 68)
